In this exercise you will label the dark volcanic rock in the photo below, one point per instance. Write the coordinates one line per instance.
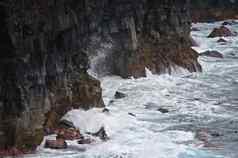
(220, 32)
(131, 114)
(227, 23)
(119, 95)
(105, 110)
(163, 110)
(85, 141)
(221, 40)
(101, 134)
(195, 29)
(213, 53)
(43, 68)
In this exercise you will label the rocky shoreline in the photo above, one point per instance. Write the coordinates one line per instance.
(46, 50)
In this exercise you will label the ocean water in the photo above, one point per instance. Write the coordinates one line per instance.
(198, 104)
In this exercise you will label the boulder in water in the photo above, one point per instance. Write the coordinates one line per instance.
(101, 134)
(131, 114)
(85, 141)
(56, 144)
(163, 110)
(105, 110)
(119, 95)
(221, 40)
(195, 29)
(230, 22)
(69, 134)
(227, 23)
(212, 53)
(221, 32)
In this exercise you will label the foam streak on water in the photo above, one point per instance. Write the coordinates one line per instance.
(195, 101)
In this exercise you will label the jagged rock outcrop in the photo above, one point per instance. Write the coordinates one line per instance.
(145, 33)
(159, 41)
(46, 46)
(213, 10)
(43, 68)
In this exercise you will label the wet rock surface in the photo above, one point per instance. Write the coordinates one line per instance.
(163, 110)
(101, 134)
(68, 134)
(221, 40)
(212, 53)
(119, 95)
(85, 141)
(56, 144)
(221, 32)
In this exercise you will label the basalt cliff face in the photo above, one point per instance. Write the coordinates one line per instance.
(43, 68)
(213, 10)
(145, 33)
(46, 45)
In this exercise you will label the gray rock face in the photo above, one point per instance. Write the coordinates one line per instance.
(43, 68)
(46, 46)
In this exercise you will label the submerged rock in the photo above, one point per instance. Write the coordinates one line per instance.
(213, 53)
(101, 134)
(131, 114)
(105, 110)
(221, 32)
(221, 40)
(227, 23)
(195, 29)
(85, 141)
(119, 95)
(163, 110)
(230, 22)
(56, 144)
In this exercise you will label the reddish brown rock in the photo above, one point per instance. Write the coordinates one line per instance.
(68, 134)
(56, 144)
(220, 32)
(11, 152)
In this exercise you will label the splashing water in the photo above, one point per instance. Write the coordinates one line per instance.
(206, 102)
